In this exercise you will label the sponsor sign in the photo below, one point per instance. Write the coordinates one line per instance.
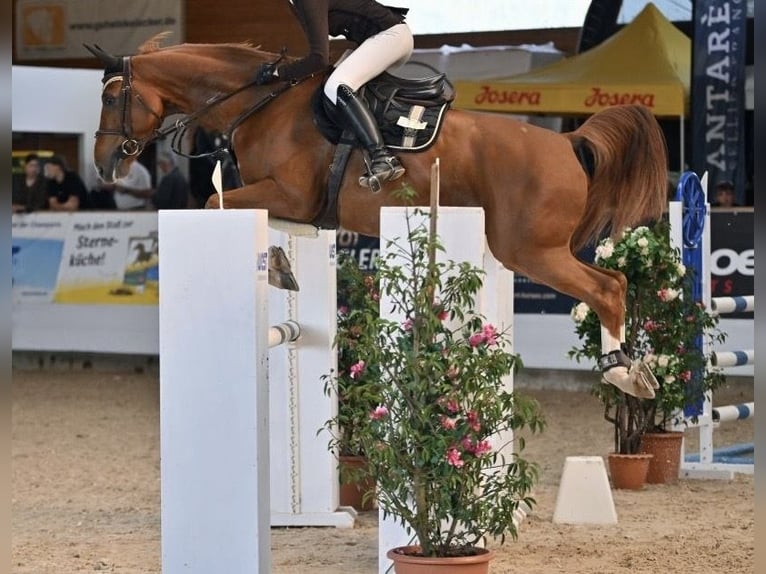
(718, 92)
(85, 259)
(50, 29)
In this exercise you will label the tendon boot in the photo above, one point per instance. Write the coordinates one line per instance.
(382, 165)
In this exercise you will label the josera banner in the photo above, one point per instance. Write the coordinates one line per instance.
(85, 258)
(718, 91)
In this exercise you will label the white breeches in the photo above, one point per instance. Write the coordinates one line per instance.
(386, 50)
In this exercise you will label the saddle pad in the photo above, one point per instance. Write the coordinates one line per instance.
(405, 126)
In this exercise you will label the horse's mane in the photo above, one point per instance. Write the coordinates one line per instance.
(154, 44)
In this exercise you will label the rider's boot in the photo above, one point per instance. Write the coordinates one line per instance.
(382, 165)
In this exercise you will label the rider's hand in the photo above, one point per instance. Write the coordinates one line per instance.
(266, 73)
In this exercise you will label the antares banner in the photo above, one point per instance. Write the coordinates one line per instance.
(718, 91)
(53, 29)
(85, 259)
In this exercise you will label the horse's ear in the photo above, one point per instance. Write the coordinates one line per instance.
(111, 63)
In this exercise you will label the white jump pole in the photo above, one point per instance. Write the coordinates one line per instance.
(304, 473)
(214, 399)
(461, 231)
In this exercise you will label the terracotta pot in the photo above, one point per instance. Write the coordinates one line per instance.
(628, 471)
(352, 494)
(406, 561)
(665, 464)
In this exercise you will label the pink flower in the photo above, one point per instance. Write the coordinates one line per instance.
(467, 444)
(378, 413)
(453, 458)
(452, 372)
(452, 406)
(476, 339)
(342, 310)
(490, 334)
(357, 369)
(650, 325)
(473, 421)
(686, 376)
(407, 325)
(448, 423)
(482, 448)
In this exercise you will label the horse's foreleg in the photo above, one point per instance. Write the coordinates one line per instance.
(292, 204)
(603, 291)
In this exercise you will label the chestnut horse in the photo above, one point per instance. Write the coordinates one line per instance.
(545, 195)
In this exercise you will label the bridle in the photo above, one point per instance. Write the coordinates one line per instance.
(131, 146)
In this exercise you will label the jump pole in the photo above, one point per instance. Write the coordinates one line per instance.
(689, 216)
(461, 231)
(240, 402)
(214, 398)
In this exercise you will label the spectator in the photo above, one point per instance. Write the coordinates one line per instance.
(173, 189)
(66, 190)
(31, 194)
(723, 195)
(133, 190)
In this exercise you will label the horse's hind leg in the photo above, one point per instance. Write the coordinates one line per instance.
(603, 291)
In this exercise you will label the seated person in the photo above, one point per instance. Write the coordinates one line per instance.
(66, 190)
(723, 195)
(31, 194)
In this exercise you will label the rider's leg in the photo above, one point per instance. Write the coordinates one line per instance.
(383, 165)
(387, 49)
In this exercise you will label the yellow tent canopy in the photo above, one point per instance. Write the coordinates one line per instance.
(647, 62)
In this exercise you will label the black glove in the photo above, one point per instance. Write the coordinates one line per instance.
(266, 73)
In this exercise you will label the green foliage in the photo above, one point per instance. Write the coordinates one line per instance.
(358, 391)
(661, 324)
(436, 441)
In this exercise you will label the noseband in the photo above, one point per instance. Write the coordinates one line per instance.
(130, 145)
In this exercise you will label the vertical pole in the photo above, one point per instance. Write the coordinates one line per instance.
(214, 399)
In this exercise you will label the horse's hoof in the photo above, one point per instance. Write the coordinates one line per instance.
(633, 383)
(280, 272)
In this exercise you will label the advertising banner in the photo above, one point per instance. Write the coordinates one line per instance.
(85, 258)
(50, 29)
(718, 92)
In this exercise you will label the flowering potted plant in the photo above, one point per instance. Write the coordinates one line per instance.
(434, 442)
(662, 324)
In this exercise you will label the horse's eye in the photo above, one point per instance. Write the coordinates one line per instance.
(109, 100)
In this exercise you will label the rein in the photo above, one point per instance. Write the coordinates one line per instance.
(131, 146)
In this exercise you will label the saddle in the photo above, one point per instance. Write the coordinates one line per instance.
(408, 111)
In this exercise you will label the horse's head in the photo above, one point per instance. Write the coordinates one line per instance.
(130, 117)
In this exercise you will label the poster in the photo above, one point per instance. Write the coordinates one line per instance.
(50, 29)
(85, 258)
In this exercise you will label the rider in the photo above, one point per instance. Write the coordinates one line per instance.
(383, 41)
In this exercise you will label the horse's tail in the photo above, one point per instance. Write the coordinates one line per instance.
(629, 179)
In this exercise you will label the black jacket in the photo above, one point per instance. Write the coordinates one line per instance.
(355, 20)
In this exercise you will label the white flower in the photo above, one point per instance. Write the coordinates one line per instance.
(641, 229)
(669, 379)
(642, 242)
(604, 249)
(621, 262)
(668, 294)
(579, 312)
(663, 361)
(680, 269)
